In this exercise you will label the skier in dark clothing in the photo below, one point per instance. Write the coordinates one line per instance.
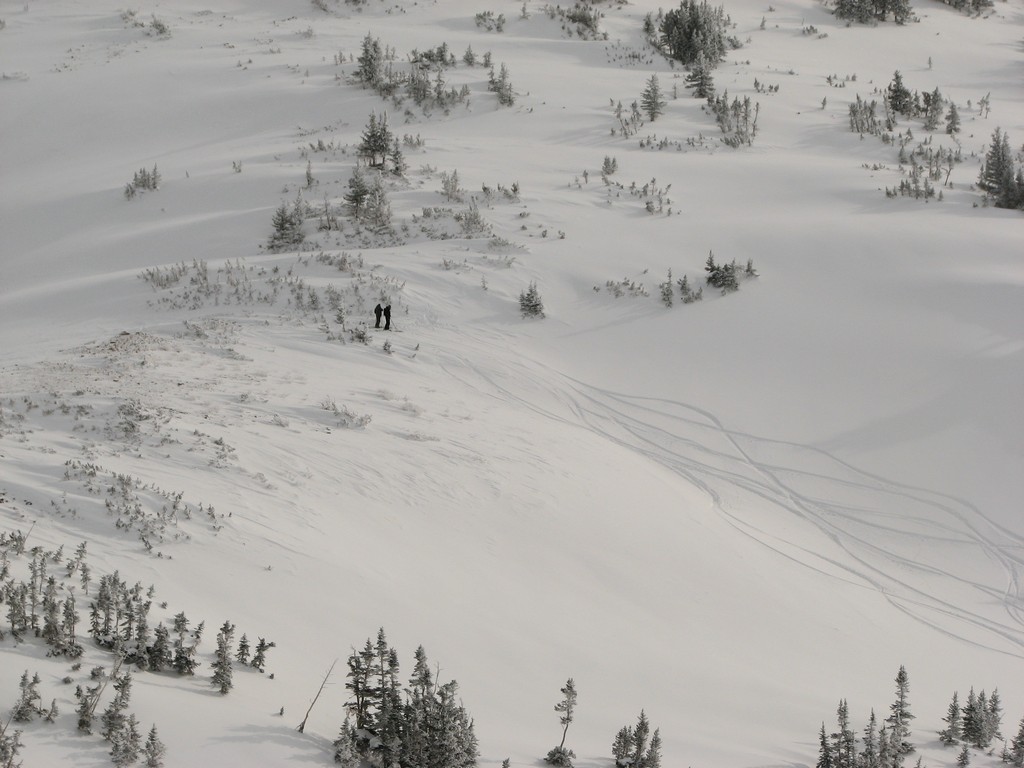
(378, 311)
(387, 318)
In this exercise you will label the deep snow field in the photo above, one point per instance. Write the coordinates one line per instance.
(731, 513)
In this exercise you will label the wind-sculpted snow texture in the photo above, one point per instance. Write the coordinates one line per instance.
(730, 513)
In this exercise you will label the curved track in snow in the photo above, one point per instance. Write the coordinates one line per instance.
(935, 557)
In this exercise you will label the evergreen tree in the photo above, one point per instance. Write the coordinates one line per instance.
(531, 305)
(371, 62)
(259, 658)
(993, 718)
(899, 95)
(933, 110)
(843, 740)
(869, 755)
(621, 746)
(378, 207)
(29, 703)
(641, 731)
(344, 750)
(114, 717)
(700, 79)
(899, 713)
(952, 732)
(825, 759)
(222, 665)
(692, 29)
(242, 654)
(287, 223)
(397, 158)
(126, 744)
(154, 750)
(652, 100)
(952, 120)
(964, 758)
(666, 290)
(997, 172)
(560, 756)
(358, 192)
(376, 140)
(160, 655)
(971, 728)
(653, 757)
(861, 11)
(1017, 747)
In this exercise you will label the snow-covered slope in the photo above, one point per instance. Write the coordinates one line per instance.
(730, 513)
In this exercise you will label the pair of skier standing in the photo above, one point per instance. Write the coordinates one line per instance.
(386, 312)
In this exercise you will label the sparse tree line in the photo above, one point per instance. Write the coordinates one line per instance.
(44, 606)
(974, 725)
(633, 746)
(424, 82)
(1002, 171)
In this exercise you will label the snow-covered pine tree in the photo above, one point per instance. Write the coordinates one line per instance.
(376, 140)
(964, 758)
(560, 756)
(243, 652)
(952, 732)
(184, 661)
(222, 664)
(621, 746)
(154, 750)
(378, 207)
(396, 157)
(371, 62)
(126, 744)
(641, 732)
(344, 747)
(530, 302)
(993, 718)
(952, 120)
(692, 29)
(898, 94)
(700, 79)
(843, 739)
(358, 192)
(259, 657)
(652, 100)
(653, 757)
(159, 655)
(825, 759)
(868, 757)
(933, 109)
(114, 716)
(1017, 747)
(29, 701)
(666, 290)
(899, 713)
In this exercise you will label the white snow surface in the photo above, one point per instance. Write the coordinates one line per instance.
(731, 513)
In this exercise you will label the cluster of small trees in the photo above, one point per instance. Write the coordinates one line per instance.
(692, 30)
(725, 277)
(423, 725)
(118, 622)
(633, 746)
(144, 180)
(287, 222)
(738, 119)
(975, 724)
(424, 83)
(868, 11)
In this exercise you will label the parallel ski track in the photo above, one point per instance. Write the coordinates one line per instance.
(870, 536)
